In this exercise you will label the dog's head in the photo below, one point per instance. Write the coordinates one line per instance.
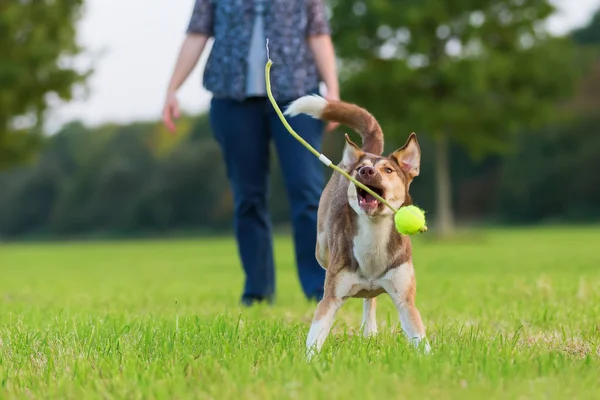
(390, 177)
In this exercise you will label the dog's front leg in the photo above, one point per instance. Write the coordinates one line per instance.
(338, 287)
(322, 322)
(412, 325)
(400, 285)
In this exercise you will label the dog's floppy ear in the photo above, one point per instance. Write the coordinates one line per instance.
(408, 156)
(352, 153)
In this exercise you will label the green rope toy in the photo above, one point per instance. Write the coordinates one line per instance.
(408, 219)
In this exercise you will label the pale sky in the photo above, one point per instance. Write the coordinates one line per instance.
(137, 42)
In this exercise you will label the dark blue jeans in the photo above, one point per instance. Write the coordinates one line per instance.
(244, 130)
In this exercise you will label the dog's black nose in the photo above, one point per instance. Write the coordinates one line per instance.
(366, 171)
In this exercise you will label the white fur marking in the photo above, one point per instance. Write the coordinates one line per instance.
(353, 200)
(322, 249)
(316, 329)
(349, 156)
(397, 281)
(371, 245)
(320, 328)
(312, 105)
(346, 284)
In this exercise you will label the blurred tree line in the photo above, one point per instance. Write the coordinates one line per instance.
(503, 166)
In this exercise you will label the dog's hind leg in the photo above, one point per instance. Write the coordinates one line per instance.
(369, 319)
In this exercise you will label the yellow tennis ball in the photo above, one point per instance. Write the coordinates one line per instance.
(410, 220)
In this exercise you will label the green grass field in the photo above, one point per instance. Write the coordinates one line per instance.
(510, 314)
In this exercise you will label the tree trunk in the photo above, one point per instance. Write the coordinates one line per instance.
(445, 217)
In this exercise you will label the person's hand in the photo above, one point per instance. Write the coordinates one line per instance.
(170, 111)
(332, 95)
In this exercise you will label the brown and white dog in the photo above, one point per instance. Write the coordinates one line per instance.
(357, 245)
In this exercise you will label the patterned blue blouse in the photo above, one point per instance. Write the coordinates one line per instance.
(287, 23)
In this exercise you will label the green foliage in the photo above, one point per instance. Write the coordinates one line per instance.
(38, 43)
(118, 179)
(115, 180)
(589, 34)
(555, 178)
(127, 180)
(476, 70)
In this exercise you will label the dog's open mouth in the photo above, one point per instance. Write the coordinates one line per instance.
(366, 200)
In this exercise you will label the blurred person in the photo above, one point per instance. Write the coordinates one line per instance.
(243, 120)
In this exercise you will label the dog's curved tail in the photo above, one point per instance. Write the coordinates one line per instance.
(351, 115)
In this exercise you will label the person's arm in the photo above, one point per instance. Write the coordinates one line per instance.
(198, 32)
(321, 46)
(190, 52)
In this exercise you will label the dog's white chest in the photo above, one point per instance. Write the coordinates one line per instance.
(371, 246)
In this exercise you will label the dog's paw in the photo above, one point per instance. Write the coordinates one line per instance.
(311, 353)
(370, 332)
(422, 345)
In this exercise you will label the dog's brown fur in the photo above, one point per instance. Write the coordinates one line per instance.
(363, 254)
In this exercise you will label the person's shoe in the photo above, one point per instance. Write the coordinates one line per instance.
(249, 301)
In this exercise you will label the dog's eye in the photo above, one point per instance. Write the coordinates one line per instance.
(389, 170)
